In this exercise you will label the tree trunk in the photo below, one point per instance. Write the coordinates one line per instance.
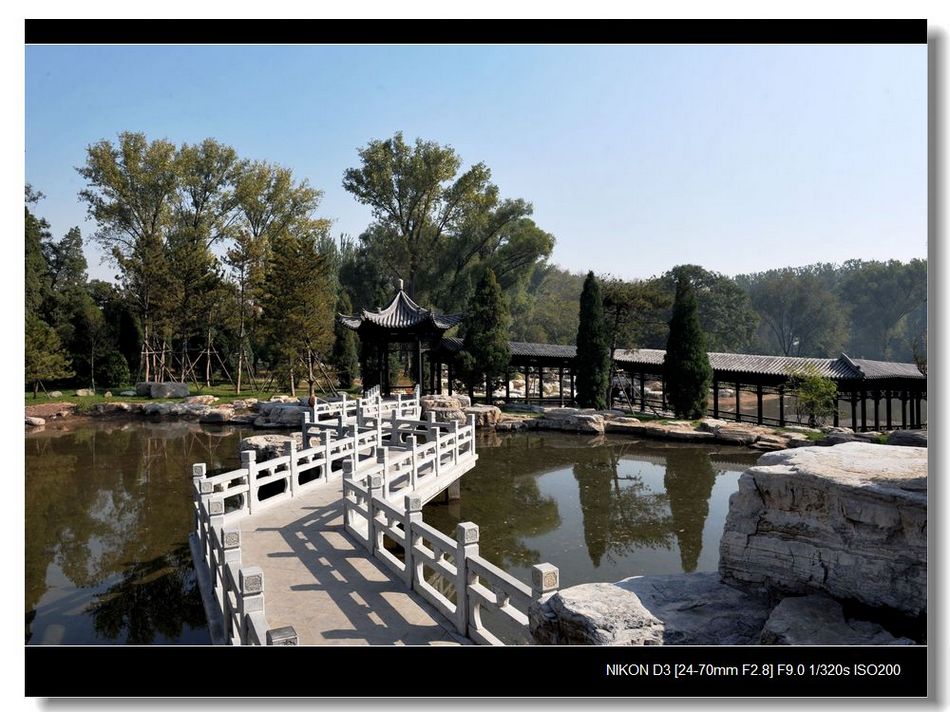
(92, 368)
(240, 363)
(36, 389)
(208, 361)
(310, 371)
(293, 390)
(145, 354)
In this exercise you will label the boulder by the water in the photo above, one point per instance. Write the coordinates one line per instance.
(908, 438)
(446, 408)
(34, 422)
(819, 620)
(55, 394)
(217, 415)
(85, 392)
(486, 416)
(128, 393)
(268, 447)
(675, 609)
(848, 520)
(169, 390)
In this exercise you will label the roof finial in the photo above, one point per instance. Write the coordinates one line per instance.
(400, 285)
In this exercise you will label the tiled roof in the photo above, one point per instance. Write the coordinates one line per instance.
(401, 313)
(842, 367)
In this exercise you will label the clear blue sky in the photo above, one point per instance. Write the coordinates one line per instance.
(636, 158)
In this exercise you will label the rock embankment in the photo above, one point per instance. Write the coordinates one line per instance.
(811, 534)
(849, 521)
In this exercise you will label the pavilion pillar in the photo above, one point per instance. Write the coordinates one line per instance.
(663, 392)
(834, 417)
(919, 401)
(419, 380)
(507, 385)
(854, 410)
(781, 406)
(540, 384)
(643, 395)
(758, 403)
(738, 409)
(864, 411)
(877, 410)
(888, 394)
(450, 377)
(573, 394)
(488, 389)
(560, 385)
(715, 398)
(903, 397)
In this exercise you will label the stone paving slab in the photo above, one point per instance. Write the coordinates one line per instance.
(323, 583)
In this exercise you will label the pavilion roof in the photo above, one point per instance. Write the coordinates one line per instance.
(401, 313)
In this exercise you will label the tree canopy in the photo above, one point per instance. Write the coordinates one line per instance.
(688, 373)
(593, 348)
(485, 349)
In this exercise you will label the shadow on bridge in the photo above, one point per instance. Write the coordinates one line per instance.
(324, 584)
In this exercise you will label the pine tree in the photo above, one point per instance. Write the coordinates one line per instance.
(45, 358)
(688, 373)
(344, 357)
(486, 350)
(593, 348)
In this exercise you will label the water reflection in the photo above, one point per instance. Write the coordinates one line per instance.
(108, 512)
(600, 509)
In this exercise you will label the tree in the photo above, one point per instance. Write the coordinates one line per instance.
(630, 309)
(546, 311)
(37, 279)
(686, 363)
(345, 356)
(593, 348)
(883, 296)
(268, 201)
(130, 193)
(45, 358)
(725, 313)
(485, 349)
(801, 316)
(437, 229)
(298, 301)
(816, 397)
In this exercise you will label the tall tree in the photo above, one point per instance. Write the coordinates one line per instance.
(593, 348)
(801, 316)
(37, 277)
(688, 373)
(345, 356)
(485, 348)
(435, 228)
(298, 301)
(268, 201)
(130, 193)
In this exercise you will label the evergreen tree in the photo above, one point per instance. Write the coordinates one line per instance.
(688, 373)
(344, 357)
(298, 302)
(593, 348)
(37, 278)
(45, 358)
(485, 350)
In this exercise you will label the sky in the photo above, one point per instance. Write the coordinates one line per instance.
(636, 158)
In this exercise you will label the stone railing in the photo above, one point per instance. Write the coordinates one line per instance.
(236, 591)
(474, 585)
(371, 405)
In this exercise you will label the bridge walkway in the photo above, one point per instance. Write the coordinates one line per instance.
(328, 587)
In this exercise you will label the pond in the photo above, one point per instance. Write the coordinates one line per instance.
(108, 512)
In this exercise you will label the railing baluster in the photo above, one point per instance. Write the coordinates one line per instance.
(466, 537)
(249, 463)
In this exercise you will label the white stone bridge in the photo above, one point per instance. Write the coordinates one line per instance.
(335, 530)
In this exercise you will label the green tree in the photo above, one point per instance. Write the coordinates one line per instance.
(45, 357)
(725, 313)
(801, 316)
(345, 356)
(37, 278)
(688, 373)
(298, 301)
(437, 229)
(485, 349)
(546, 311)
(631, 309)
(130, 193)
(816, 396)
(268, 201)
(593, 348)
(888, 303)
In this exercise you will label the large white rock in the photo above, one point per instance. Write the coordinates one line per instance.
(85, 392)
(848, 520)
(167, 390)
(675, 609)
(446, 408)
(486, 416)
(34, 422)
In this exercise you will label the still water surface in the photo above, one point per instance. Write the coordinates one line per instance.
(108, 512)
